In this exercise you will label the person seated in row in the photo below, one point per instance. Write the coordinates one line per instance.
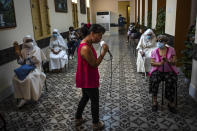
(58, 56)
(145, 46)
(131, 30)
(72, 42)
(28, 86)
(163, 68)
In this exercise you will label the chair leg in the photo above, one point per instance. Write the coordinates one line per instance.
(176, 94)
(162, 92)
(46, 84)
(4, 122)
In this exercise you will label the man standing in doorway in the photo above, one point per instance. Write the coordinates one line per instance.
(121, 22)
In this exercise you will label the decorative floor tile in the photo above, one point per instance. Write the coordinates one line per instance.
(124, 106)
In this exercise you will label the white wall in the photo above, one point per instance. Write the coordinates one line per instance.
(154, 13)
(193, 84)
(23, 27)
(82, 18)
(104, 5)
(146, 13)
(59, 20)
(170, 17)
(140, 11)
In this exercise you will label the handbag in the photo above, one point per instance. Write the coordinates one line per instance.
(23, 71)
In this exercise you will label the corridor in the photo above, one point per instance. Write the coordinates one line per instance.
(124, 106)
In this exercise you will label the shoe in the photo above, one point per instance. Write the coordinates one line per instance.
(98, 126)
(22, 102)
(172, 109)
(73, 57)
(79, 122)
(155, 108)
(70, 57)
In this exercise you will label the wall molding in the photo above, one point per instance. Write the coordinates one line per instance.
(6, 93)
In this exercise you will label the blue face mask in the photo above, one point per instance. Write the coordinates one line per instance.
(55, 35)
(148, 37)
(160, 45)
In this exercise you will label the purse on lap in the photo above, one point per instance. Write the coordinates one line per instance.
(23, 71)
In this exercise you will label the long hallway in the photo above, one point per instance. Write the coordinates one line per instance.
(124, 106)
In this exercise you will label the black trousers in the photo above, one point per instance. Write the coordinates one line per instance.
(71, 48)
(93, 95)
(170, 79)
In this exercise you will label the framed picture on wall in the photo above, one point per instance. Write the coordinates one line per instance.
(61, 6)
(7, 14)
(83, 6)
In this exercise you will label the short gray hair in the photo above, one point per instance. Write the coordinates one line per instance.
(162, 37)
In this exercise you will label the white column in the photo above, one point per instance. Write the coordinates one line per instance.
(154, 13)
(170, 17)
(146, 13)
(193, 84)
(140, 12)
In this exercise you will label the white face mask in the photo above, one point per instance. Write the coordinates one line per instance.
(28, 45)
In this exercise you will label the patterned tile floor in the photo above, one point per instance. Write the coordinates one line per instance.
(124, 106)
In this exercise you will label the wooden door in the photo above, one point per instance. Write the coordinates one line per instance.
(36, 18)
(40, 19)
(75, 15)
(45, 17)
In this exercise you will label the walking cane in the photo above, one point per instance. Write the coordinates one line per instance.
(162, 83)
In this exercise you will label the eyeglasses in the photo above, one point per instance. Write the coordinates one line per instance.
(162, 41)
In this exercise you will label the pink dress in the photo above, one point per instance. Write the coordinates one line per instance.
(86, 76)
(167, 68)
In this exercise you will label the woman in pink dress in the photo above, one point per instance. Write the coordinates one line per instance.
(163, 60)
(87, 76)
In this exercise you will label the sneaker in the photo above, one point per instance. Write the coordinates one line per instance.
(22, 102)
(79, 122)
(172, 109)
(73, 57)
(98, 126)
(70, 57)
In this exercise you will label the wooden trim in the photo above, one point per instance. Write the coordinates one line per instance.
(182, 25)
(160, 4)
(149, 5)
(138, 11)
(143, 10)
(135, 11)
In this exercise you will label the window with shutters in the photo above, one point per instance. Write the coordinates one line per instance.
(40, 18)
(75, 15)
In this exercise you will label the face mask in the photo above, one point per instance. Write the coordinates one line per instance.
(148, 37)
(55, 35)
(160, 45)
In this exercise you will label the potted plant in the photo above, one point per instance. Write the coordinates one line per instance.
(160, 26)
(186, 60)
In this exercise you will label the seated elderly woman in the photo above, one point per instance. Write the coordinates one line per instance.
(145, 46)
(58, 57)
(163, 60)
(28, 86)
